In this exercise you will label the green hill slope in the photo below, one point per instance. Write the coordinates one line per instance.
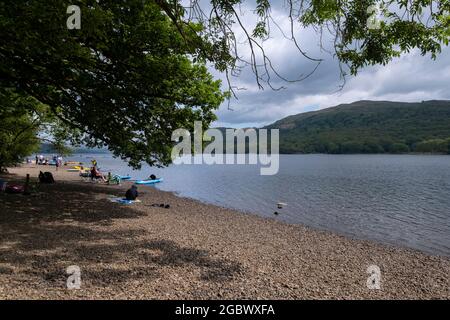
(368, 127)
(49, 148)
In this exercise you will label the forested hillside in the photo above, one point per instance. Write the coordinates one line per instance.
(369, 127)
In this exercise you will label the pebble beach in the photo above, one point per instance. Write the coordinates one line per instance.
(190, 250)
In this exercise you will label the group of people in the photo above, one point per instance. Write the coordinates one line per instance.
(131, 194)
(56, 160)
(96, 174)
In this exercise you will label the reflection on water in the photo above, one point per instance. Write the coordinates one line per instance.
(397, 199)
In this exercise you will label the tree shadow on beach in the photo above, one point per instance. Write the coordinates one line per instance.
(43, 235)
(77, 201)
(105, 258)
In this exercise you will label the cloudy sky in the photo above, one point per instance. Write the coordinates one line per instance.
(410, 78)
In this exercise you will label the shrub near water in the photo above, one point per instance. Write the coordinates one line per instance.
(434, 146)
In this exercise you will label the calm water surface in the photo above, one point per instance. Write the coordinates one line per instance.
(396, 199)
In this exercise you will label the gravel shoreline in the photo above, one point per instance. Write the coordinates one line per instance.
(190, 251)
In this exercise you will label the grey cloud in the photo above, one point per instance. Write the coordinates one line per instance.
(410, 78)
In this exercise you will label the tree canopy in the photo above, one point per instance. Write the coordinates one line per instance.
(18, 129)
(125, 79)
(362, 32)
(136, 69)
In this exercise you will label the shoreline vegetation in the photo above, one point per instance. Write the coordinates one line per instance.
(50, 151)
(190, 251)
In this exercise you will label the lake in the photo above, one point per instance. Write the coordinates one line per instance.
(402, 200)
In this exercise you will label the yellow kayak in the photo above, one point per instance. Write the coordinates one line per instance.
(68, 163)
(77, 169)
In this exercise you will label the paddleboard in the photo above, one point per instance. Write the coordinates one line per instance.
(123, 201)
(148, 181)
(123, 177)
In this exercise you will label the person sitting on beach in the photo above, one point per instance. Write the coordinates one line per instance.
(95, 174)
(131, 193)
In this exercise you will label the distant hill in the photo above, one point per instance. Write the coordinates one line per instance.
(48, 148)
(368, 127)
